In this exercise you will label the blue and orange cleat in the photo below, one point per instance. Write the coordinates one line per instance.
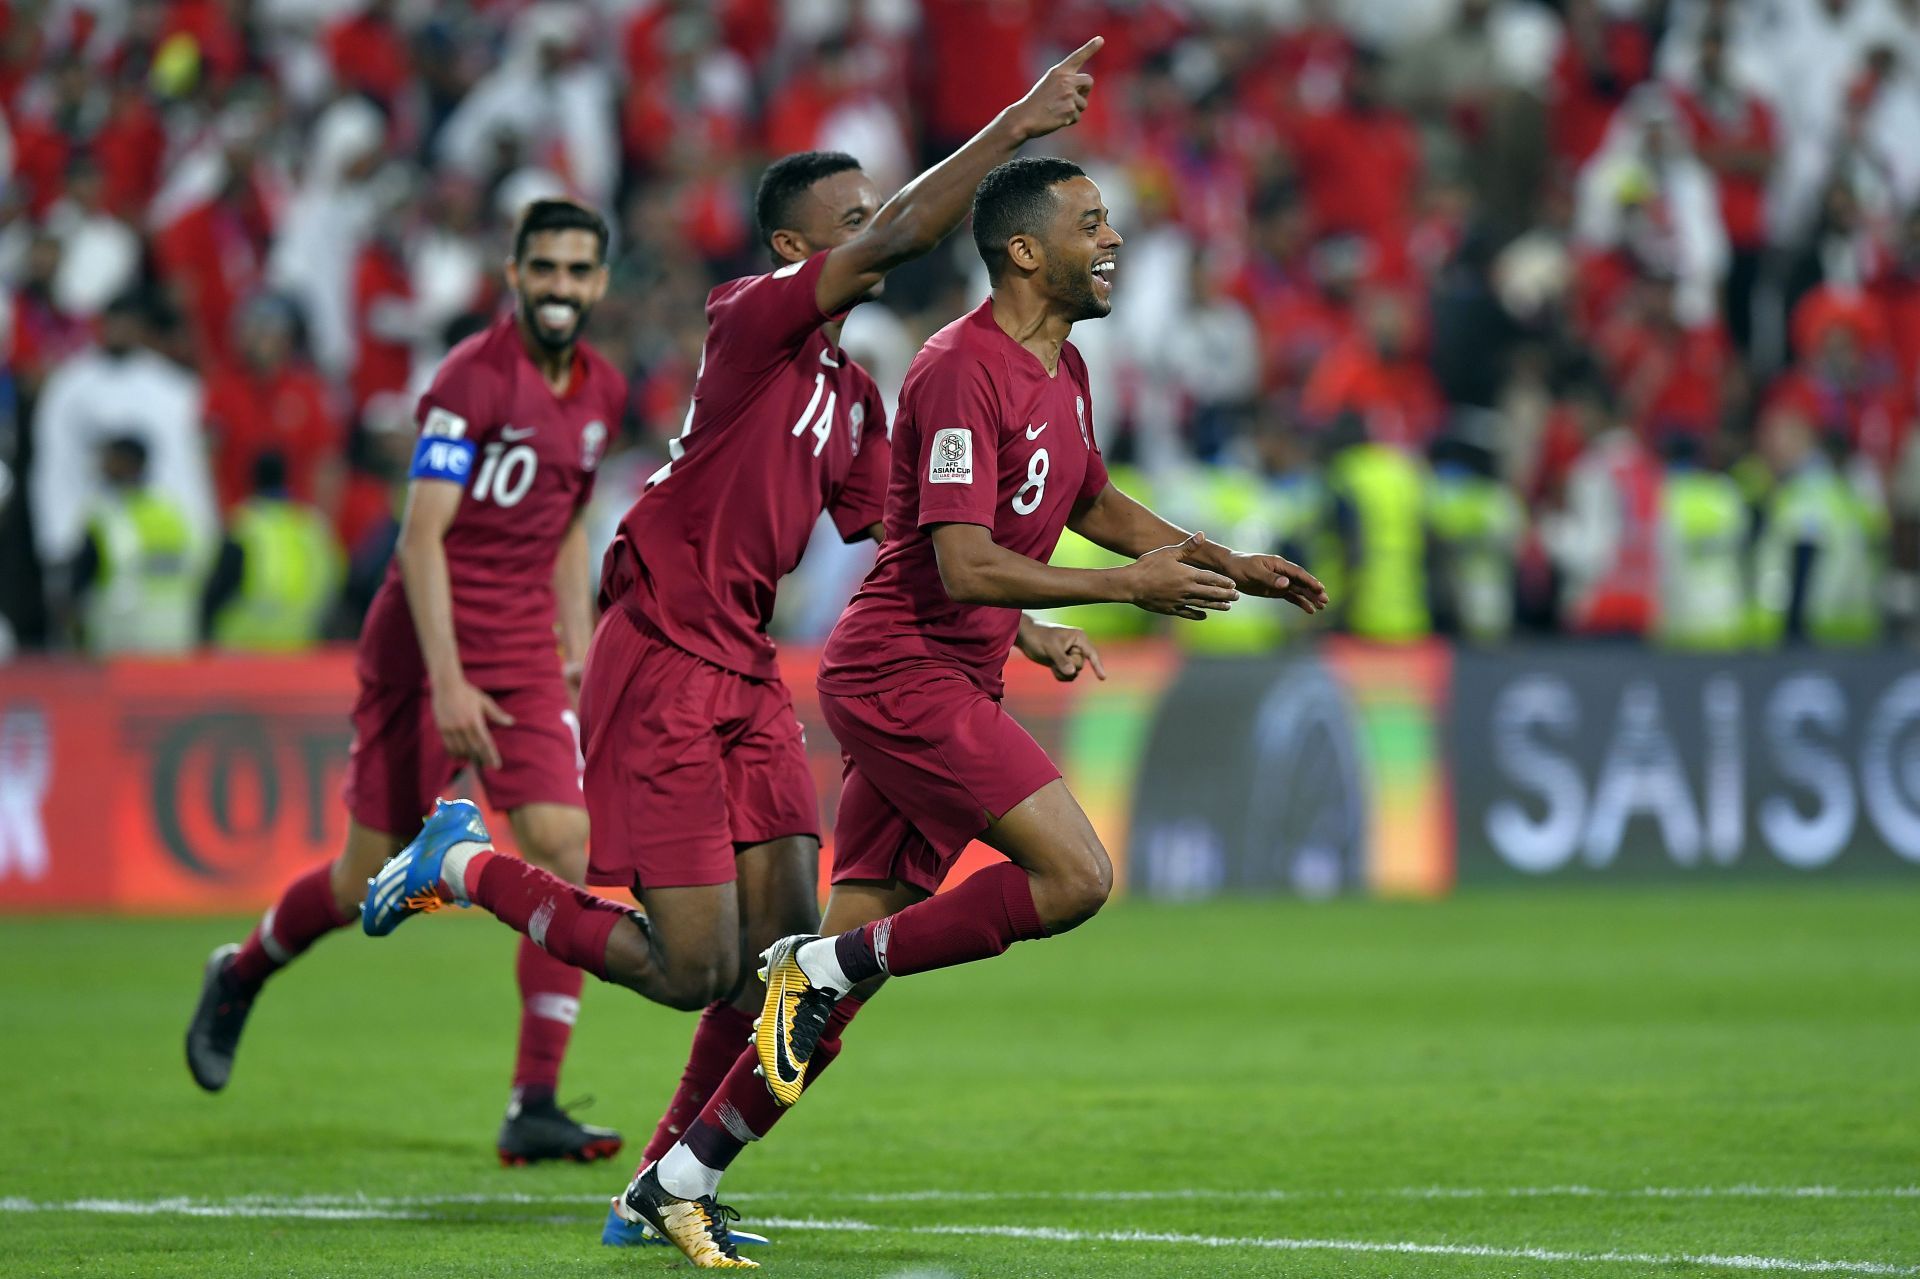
(410, 884)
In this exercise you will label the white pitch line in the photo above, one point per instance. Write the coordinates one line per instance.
(367, 1208)
(1275, 1194)
(1165, 1194)
(1052, 1235)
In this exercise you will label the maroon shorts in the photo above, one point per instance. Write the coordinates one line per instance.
(398, 764)
(686, 761)
(926, 765)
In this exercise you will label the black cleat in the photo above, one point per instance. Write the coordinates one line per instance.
(697, 1227)
(535, 1131)
(213, 1036)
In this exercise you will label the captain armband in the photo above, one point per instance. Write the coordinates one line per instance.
(442, 459)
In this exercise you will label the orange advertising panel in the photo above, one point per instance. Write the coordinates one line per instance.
(204, 785)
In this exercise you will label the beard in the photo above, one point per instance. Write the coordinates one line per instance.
(1072, 287)
(530, 308)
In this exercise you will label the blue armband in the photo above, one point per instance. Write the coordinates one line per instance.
(439, 459)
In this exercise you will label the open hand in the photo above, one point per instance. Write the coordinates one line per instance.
(1060, 96)
(1271, 576)
(1162, 581)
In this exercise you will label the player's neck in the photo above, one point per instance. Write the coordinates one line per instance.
(555, 367)
(831, 331)
(1028, 320)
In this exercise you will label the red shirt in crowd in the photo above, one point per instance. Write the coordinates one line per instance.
(980, 57)
(1360, 169)
(1873, 415)
(380, 364)
(1397, 398)
(287, 411)
(1742, 123)
(1583, 92)
(214, 255)
(1669, 379)
(128, 148)
(370, 55)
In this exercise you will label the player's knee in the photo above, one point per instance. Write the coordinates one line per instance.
(567, 859)
(694, 983)
(1079, 891)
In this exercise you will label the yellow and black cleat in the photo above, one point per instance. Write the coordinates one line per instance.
(791, 1021)
(697, 1227)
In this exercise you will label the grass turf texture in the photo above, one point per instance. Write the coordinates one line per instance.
(1342, 1053)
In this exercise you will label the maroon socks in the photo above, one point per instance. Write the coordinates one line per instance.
(570, 924)
(716, 1045)
(978, 920)
(304, 914)
(549, 1005)
(741, 1110)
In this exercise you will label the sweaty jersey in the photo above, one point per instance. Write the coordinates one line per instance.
(525, 459)
(782, 427)
(983, 436)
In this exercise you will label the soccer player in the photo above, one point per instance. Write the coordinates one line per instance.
(993, 455)
(458, 662)
(697, 780)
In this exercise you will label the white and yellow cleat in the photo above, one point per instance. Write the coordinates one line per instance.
(791, 1021)
(697, 1227)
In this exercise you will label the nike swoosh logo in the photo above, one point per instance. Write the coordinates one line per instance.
(511, 433)
(826, 358)
(782, 1063)
(1033, 432)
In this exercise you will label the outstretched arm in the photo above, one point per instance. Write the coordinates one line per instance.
(975, 569)
(1120, 524)
(927, 209)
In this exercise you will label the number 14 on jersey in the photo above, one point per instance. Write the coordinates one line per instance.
(821, 422)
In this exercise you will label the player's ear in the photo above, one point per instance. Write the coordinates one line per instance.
(513, 274)
(1023, 251)
(791, 246)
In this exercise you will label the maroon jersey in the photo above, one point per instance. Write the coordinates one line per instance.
(526, 459)
(782, 427)
(983, 436)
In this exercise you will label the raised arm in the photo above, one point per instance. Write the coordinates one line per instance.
(1122, 525)
(927, 209)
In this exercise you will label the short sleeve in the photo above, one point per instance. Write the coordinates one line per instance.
(957, 418)
(460, 402)
(759, 321)
(861, 501)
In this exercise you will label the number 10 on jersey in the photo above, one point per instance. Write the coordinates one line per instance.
(505, 474)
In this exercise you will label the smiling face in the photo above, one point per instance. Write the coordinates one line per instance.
(557, 281)
(1078, 252)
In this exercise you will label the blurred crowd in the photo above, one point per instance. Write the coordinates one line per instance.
(1596, 317)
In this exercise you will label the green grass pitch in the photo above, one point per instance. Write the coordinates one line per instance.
(1609, 1083)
